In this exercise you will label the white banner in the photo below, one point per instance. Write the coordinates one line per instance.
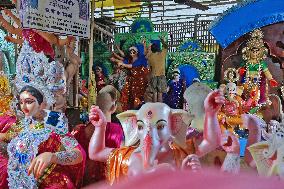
(64, 17)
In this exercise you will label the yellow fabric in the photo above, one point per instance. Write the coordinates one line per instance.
(157, 62)
(117, 164)
(180, 153)
(118, 160)
(123, 8)
(104, 3)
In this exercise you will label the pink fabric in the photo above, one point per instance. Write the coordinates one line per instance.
(95, 171)
(3, 172)
(38, 43)
(6, 121)
(65, 176)
(114, 135)
(207, 179)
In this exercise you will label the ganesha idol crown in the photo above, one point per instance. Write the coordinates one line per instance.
(33, 69)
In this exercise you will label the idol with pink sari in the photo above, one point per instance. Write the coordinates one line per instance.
(43, 154)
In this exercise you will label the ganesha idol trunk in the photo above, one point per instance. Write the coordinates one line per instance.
(147, 148)
(150, 150)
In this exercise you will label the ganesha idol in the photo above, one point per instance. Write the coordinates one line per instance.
(234, 106)
(230, 114)
(162, 134)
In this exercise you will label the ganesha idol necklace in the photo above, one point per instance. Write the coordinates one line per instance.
(22, 150)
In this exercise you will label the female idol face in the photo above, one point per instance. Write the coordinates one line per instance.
(29, 104)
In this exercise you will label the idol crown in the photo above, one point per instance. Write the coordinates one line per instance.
(256, 40)
(34, 69)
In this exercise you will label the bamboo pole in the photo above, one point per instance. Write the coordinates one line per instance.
(91, 82)
(103, 31)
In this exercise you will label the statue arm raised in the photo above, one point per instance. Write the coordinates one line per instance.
(212, 132)
(10, 29)
(253, 124)
(14, 17)
(97, 148)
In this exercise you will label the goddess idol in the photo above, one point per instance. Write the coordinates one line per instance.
(254, 70)
(43, 154)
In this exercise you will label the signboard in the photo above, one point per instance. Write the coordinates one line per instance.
(64, 17)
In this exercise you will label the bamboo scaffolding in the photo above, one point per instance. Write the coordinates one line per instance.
(91, 82)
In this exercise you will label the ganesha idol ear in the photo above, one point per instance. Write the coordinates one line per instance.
(128, 121)
(180, 121)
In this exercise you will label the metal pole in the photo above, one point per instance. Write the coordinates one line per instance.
(150, 9)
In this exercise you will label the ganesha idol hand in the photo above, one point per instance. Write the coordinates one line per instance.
(97, 117)
(230, 143)
(191, 162)
(214, 102)
(160, 167)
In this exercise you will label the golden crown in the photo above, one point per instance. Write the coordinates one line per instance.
(255, 42)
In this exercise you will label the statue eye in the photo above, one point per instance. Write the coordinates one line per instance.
(140, 127)
(160, 126)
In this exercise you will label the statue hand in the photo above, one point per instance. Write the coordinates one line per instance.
(8, 38)
(8, 12)
(273, 83)
(191, 162)
(97, 117)
(40, 163)
(214, 102)
(230, 143)
(112, 59)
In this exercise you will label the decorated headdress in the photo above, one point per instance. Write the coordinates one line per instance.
(256, 41)
(34, 69)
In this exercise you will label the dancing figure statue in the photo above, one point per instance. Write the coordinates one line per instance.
(132, 95)
(175, 90)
